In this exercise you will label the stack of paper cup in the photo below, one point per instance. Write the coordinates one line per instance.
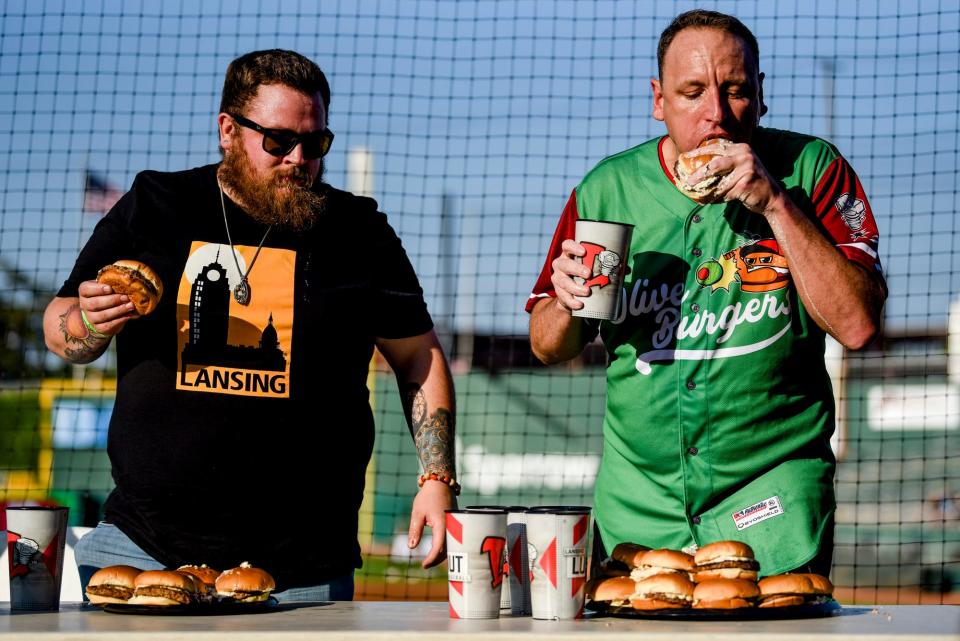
(557, 538)
(475, 547)
(506, 590)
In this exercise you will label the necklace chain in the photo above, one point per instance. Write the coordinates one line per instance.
(242, 291)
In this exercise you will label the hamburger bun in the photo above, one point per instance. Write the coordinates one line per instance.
(615, 590)
(663, 561)
(136, 280)
(629, 553)
(245, 584)
(725, 594)
(703, 191)
(164, 587)
(663, 591)
(112, 584)
(206, 574)
(784, 590)
(725, 560)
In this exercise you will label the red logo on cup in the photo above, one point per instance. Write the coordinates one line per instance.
(493, 547)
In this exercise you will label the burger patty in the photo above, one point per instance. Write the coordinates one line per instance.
(669, 598)
(138, 277)
(168, 593)
(746, 565)
(112, 591)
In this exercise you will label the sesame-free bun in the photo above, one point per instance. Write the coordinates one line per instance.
(163, 587)
(725, 594)
(703, 191)
(725, 560)
(663, 591)
(245, 584)
(136, 280)
(793, 589)
(663, 561)
(112, 584)
(616, 589)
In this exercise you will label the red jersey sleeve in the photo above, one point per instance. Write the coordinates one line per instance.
(842, 208)
(566, 228)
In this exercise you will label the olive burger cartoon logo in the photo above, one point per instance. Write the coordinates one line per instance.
(759, 266)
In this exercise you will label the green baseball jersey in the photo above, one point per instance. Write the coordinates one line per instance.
(719, 408)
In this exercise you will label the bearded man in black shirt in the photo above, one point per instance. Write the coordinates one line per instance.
(242, 426)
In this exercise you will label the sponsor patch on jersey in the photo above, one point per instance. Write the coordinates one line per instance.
(765, 509)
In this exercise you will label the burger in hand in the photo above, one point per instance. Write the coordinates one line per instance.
(725, 594)
(784, 590)
(135, 279)
(663, 591)
(725, 560)
(703, 191)
(656, 562)
(613, 591)
(113, 584)
(163, 587)
(245, 584)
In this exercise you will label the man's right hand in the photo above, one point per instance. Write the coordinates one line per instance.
(69, 337)
(107, 312)
(565, 267)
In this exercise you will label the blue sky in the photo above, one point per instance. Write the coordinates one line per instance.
(502, 105)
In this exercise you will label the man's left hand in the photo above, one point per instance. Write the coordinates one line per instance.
(743, 176)
(428, 509)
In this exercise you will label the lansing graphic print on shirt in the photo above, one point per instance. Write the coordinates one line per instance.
(228, 348)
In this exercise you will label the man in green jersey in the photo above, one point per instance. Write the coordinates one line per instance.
(719, 408)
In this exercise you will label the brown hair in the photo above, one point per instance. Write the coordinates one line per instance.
(707, 20)
(271, 67)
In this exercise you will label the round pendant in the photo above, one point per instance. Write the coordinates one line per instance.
(242, 292)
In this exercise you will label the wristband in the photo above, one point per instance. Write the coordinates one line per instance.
(446, 480)
(90, 327)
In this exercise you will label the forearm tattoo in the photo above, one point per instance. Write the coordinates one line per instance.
(77, 349)
(432, 433)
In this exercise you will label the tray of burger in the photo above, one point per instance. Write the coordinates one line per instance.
(719, 582)
(189, 590)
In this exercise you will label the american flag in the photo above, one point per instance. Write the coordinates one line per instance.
(99, 196)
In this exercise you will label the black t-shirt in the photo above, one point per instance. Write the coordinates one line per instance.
(242, 433)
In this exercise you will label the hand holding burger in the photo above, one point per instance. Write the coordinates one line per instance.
(137, 281)
(703, 191)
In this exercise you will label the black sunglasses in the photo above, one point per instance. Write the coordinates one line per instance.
(280, 142)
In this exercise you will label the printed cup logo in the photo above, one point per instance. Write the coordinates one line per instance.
(575, 562)
(854, 213)
(604, 263)
(494, 547)
(458, 567)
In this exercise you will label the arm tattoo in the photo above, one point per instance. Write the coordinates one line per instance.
(80, 350)
(432, 433)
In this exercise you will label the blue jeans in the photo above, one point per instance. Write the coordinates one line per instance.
(107, 545)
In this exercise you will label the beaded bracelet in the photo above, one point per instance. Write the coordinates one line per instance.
(94, 332)
(445, 479)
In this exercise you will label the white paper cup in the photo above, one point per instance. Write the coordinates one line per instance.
(518, 563)
(558, 561)
(475, 545)
(608, 246)
(36, 537)
(506, 590)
